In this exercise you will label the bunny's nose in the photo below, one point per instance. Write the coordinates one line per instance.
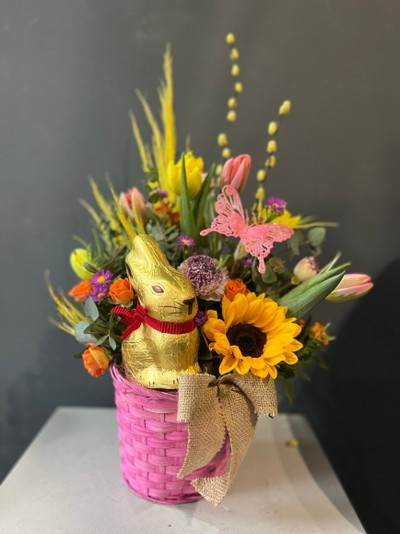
(189, 303)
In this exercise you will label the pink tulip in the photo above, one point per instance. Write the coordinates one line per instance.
(132, 198)
(236, 171)
(351, 287)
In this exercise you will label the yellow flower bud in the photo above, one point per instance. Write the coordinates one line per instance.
(232, 102)
(218, 170)
(260, 194)
(78, 258)
(231, 116)
(261, 174)
(222, 139)
(272, 146)
(271, 162)
(234, 54)
(238, 87)
(230, 38)
(285, 107)
(194, 175)
(272, 128)
(226, 153)
(235, 70)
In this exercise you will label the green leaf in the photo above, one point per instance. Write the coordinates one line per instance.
(188, 226)
(295, 242)
(202, 200)
(80, 334)
(307, 295)
(91, 309)
(316, 236)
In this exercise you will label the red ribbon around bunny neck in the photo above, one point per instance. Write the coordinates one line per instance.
(134, 318)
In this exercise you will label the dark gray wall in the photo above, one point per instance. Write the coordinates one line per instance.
(68, 71)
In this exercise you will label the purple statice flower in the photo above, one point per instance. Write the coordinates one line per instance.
(185, 241)
(101, 278)
(276, 204)
(207, 280)
(201, 318)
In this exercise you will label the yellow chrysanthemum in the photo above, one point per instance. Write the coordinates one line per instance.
(288, 219)
(253, 336)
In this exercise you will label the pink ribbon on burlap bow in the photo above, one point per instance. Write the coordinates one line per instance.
(213, 407)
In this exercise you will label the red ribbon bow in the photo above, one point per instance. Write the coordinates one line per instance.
(134, 318)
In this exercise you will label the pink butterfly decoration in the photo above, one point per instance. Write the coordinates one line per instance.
(257, 239)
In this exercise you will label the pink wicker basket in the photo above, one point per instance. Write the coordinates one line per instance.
(153, 444)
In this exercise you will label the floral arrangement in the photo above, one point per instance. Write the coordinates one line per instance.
(255, 272)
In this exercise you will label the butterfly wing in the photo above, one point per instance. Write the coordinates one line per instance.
(230, 219)
(258, 240)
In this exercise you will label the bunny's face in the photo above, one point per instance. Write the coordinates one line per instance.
(167, 294)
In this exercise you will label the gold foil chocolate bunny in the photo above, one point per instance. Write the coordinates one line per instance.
(162, 341)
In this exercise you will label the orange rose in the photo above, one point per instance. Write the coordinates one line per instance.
(81, 291)
(235, 286)
(121, 291)
(95, 360)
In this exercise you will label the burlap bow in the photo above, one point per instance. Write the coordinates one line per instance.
(212, 407)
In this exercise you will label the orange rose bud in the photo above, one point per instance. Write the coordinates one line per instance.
(235, 286)
(121, 291)
(95, 360)
(81, 291)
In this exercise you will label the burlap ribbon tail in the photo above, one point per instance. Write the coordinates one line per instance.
(213, 407)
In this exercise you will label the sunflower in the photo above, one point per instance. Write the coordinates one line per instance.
(254, 335)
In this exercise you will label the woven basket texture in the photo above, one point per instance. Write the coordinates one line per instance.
(153, 444)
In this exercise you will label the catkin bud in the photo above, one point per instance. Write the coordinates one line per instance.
(285, 107)
(234, 54)
(232, 102)
(271, 146)
(226, 153)
(271, 162)
(272, 128)
(231, 115)
(261, 174)
(222, 139)
(238, 87)
(230, 38)
(235, 70)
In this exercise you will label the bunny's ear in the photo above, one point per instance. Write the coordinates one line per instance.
(145, 254)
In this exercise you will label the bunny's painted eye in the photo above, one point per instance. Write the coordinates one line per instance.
(157, 289)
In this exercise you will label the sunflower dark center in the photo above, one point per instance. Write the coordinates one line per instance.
(248, 338)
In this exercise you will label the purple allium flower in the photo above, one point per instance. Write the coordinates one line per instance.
(185, 241)
(101, 278)
(207, 280)
(276, 204)
(201, 318)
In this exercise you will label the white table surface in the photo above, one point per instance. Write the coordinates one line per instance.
(68, 482)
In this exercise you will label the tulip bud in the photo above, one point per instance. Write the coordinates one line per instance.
(77, 259)
(236, 171)
(132, 201)
(350, 287)
(305, 269)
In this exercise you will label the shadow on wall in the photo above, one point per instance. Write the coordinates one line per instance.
(38, 394)
(354, 407)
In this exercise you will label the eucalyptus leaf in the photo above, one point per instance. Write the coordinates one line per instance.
(316, 236)
(80, 334)
(101, 340)
(112, 343)
(91, 309)
(295, 242)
